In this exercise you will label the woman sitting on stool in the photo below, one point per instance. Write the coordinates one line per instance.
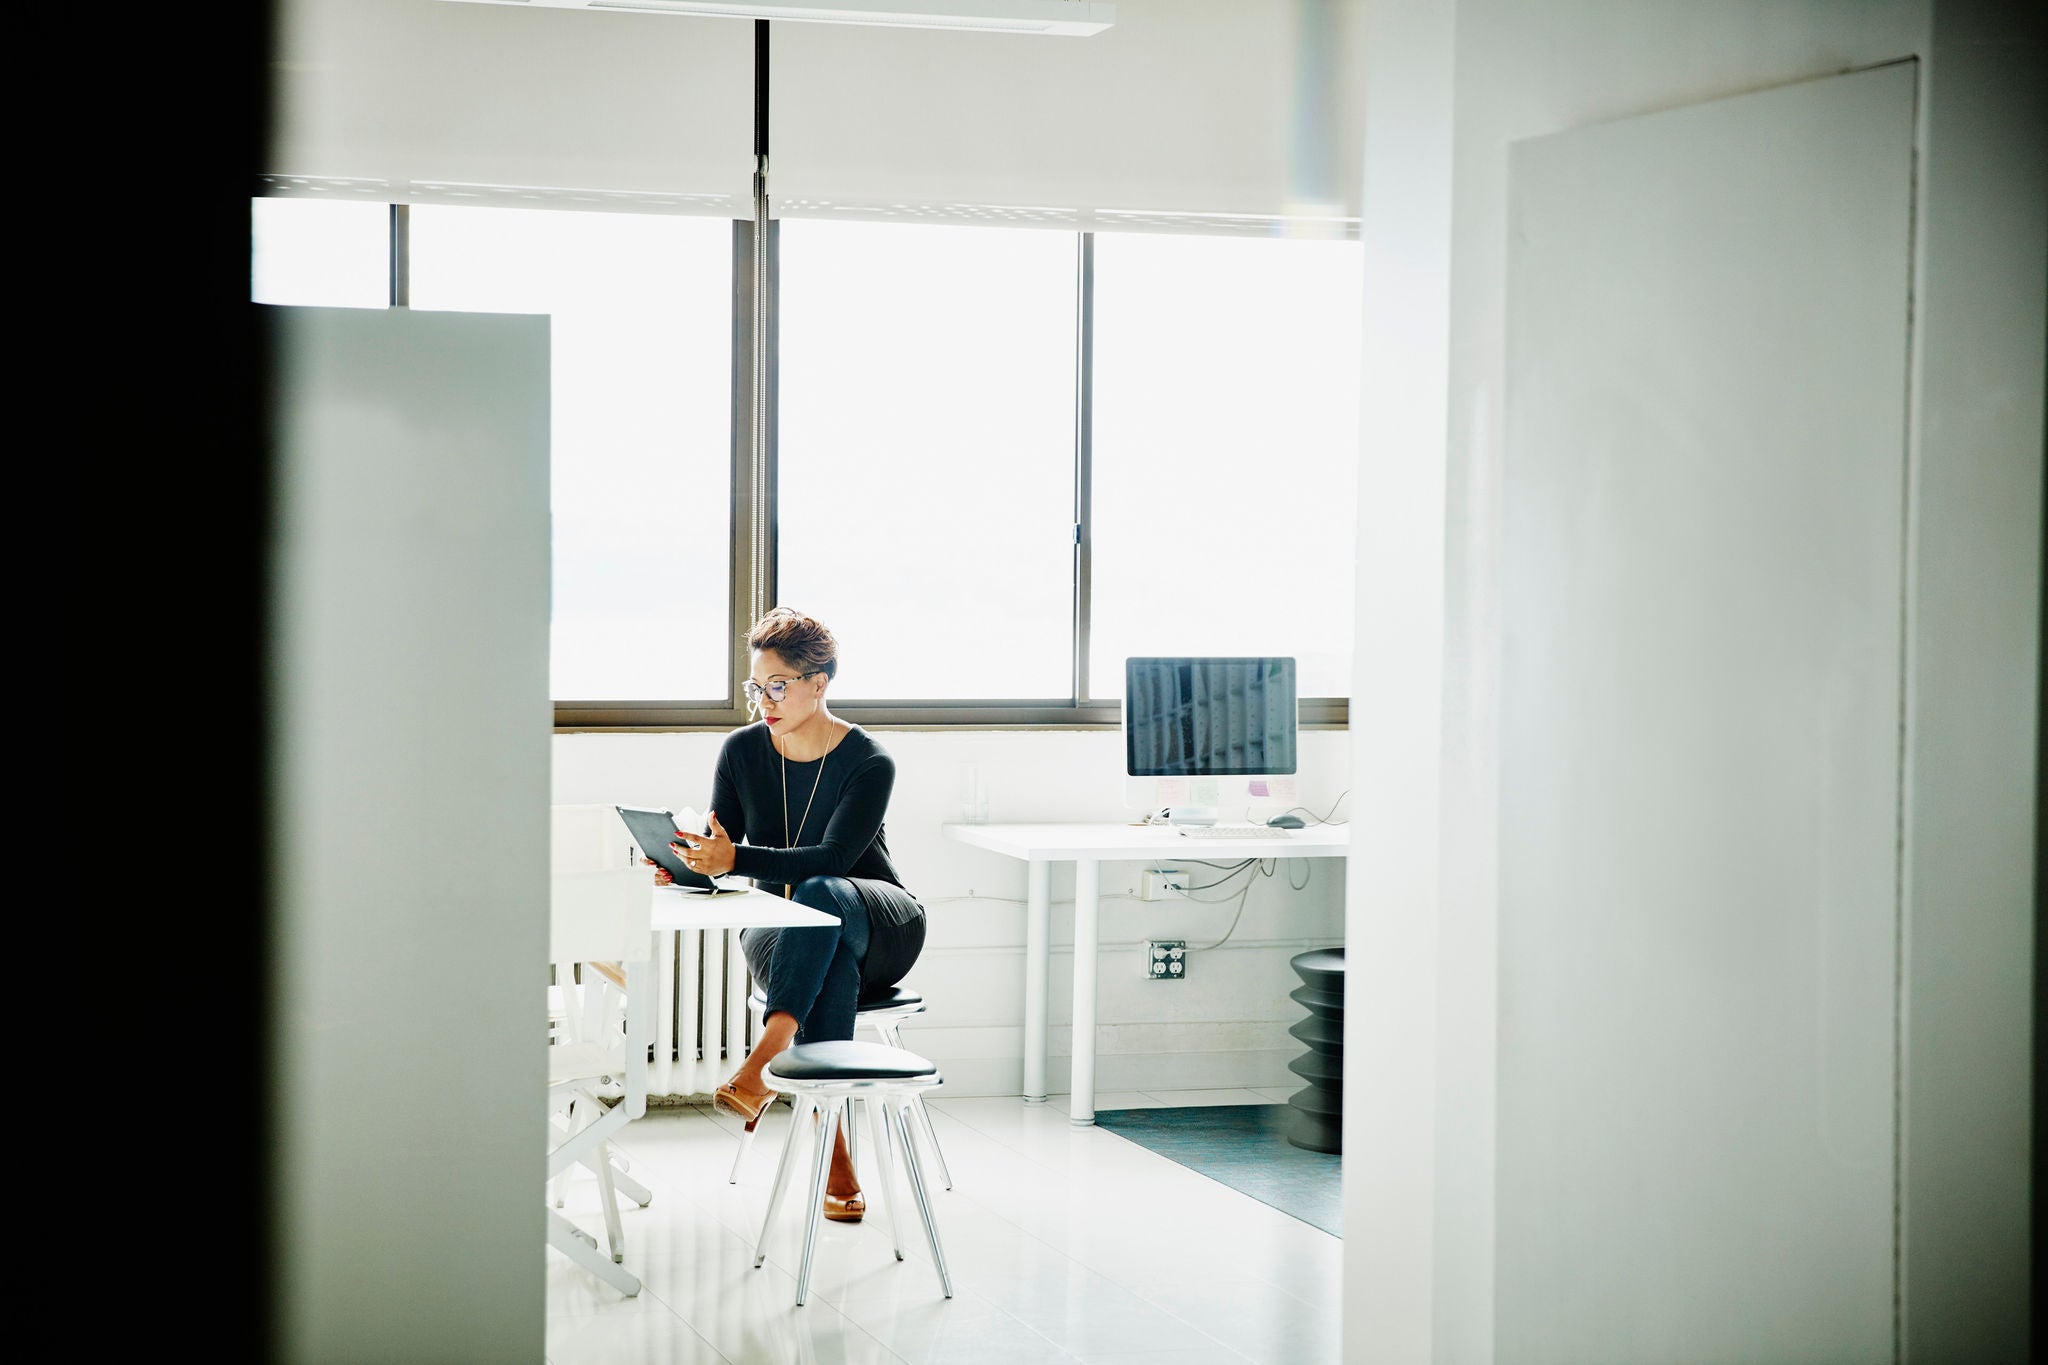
(797, 804)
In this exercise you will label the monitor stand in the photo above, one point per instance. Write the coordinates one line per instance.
(1190, 815)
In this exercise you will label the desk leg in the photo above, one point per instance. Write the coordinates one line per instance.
(1087, 885)
(1037, 958)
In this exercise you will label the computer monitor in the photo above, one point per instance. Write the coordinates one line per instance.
(1208, 738)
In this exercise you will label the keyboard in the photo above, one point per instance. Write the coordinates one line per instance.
(1233, 831)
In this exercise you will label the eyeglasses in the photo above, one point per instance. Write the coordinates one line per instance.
(774, 691)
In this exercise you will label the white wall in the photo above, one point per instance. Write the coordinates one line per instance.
(1522, 71)
(1394, 1110)
(1972, 833)
(409, 656)
(1188, 105)
(1224, 1026)
(1702, 541)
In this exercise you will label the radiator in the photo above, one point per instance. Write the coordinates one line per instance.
(702, 1027)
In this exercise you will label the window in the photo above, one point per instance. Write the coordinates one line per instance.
(925, 483)
(641, 430)
(317, 253)
(1224, 452)
(1002, 459)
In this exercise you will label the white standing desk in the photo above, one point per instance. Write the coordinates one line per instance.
(1087, 847)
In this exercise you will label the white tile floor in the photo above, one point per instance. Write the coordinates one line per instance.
(1065, 1244)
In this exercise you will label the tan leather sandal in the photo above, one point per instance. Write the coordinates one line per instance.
(728, 1099)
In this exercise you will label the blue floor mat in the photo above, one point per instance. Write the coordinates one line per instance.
(1243, 1146)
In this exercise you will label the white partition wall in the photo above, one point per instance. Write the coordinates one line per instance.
(409, 802)
(1703, 522)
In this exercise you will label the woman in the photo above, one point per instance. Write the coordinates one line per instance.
(797, 804)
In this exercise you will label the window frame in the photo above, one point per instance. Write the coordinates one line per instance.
(1078, 711)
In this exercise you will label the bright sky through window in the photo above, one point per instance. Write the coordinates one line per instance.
(641, 350)
(1225, 452)
(927, 454)
(320, 253)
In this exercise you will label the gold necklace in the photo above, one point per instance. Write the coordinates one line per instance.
(804, 819)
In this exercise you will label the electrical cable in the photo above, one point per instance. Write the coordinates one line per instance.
(1228, 875)
(1153, 818)
(1315, 819)
(1258, 867)
(1242, 897)
(1019, 900)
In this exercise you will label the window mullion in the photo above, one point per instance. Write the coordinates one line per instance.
(1084, 391)
(754, 368)
(401, 256)
(761, 574)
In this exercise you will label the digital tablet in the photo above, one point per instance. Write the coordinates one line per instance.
(653, 830)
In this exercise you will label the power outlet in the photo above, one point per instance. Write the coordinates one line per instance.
(1164, 882)
(1166, 959)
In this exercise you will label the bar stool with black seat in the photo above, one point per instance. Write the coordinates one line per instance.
(884, 1012)
(824, 1079)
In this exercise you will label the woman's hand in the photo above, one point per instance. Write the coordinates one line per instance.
(661, 877)
(711, 854)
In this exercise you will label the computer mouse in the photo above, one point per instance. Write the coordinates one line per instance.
(1285, 822)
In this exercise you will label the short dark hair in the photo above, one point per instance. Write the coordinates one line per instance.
(801, 640)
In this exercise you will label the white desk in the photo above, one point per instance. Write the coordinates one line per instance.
(676, 910)
(688, 1013)
(1087, 847)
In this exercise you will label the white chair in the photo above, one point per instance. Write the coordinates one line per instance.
(883, 1012)
(824, 1079)
(601, 934)
(590, 838)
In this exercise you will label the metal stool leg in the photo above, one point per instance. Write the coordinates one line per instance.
(877, 1108)
(797, 1109)
(815, 1214)
(889, 1029)
(732, 1177)
(924, 1118)
(924, 1205)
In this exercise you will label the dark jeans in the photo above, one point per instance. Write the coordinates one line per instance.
(818, 973)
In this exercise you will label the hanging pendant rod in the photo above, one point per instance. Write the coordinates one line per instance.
(759, 588)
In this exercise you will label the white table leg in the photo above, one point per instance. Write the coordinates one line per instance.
(1037, 958)
(1087, 885)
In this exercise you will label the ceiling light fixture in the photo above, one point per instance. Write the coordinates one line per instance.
(1055, 18)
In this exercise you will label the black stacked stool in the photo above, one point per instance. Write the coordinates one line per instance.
(1317, 1122)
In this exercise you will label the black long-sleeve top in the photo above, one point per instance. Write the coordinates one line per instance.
(841, 837)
